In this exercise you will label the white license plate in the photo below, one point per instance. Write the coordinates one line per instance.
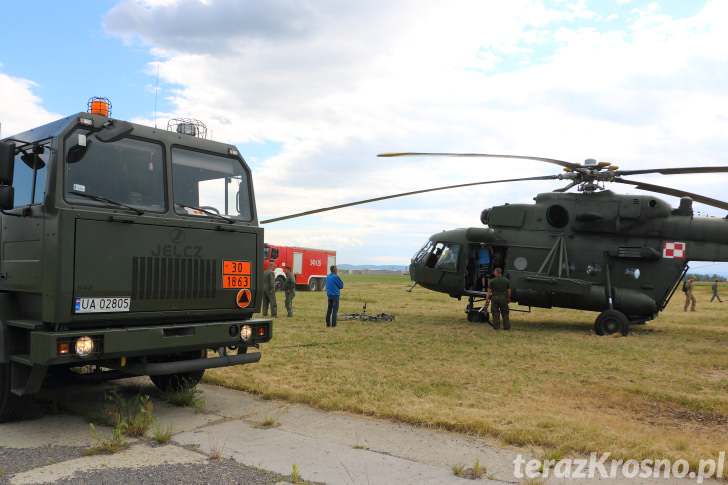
(102, 305)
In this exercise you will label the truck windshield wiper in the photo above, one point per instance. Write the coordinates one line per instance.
(207, 211)
(108, 201)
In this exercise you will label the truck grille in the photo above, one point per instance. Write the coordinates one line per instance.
(173, 278)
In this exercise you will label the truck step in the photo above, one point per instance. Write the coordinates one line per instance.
(22, 359)
(27, 324)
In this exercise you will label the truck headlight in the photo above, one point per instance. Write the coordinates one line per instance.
(246, 332)
(84, 346)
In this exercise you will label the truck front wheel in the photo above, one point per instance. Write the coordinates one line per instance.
(180, 380)
(10, 404)
(177, 382)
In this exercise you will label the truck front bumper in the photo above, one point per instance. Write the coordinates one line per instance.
(127, 349)
(57, 348)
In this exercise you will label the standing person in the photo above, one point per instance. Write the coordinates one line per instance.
(333, 291)
(290, 288)
(269, 291)
(689, 298)
(483, 265)
(500, 289)
(715, 292)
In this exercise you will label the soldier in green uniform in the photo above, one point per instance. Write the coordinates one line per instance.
(689, 298)
(499, 288)
(269, 291)
(290, 288)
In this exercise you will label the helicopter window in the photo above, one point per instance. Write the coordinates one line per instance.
(593, 269)
(632, 273)
(557, 216)
(521, 263)
(448, 257)
(425, 250)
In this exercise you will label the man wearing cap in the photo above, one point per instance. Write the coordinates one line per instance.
(269, 291)
(499, 293)
(290, 288)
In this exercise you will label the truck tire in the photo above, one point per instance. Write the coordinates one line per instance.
(176, 382)
(181, 380)
(10, 404)
(312, 284)
(280, 281)
(322, 284)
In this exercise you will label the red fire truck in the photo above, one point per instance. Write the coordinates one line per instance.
(310, 266)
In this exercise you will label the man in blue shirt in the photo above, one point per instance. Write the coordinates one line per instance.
(333, 291)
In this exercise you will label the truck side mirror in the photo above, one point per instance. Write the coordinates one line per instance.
(7, 197)
(7, 162)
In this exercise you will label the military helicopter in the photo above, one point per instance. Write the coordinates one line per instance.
(596, 250)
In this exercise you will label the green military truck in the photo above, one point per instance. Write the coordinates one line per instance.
(125, 250)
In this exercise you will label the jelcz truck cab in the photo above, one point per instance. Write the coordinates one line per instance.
(124, 249)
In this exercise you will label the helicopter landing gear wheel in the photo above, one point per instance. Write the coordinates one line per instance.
(611, 321)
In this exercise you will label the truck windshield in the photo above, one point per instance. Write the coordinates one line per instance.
(210, 182)
(127, 172)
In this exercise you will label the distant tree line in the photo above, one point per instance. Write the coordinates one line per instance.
(705, 277)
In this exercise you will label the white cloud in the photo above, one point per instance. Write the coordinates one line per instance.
(338, 82)
(20, 107)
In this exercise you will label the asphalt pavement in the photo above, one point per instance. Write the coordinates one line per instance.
(241, 438)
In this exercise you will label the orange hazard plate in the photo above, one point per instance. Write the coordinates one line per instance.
(236, 274)
(233, 281)
(236, 267)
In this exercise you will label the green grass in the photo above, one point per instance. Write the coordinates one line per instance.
(549, 384)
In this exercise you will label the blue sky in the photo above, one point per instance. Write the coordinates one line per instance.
(312, 91)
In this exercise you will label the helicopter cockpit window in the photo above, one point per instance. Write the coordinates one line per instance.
(448, 257)
(126, 172)
(206, 184)
(424, 251)
(31, 169)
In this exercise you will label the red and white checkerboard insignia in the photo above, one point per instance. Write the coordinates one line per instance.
(674, 250)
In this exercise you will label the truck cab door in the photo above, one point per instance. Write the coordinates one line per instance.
(21, 242)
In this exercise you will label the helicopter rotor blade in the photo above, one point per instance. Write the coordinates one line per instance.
(673, 171)
(403, 194)
(573, 166)
(675, 193)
